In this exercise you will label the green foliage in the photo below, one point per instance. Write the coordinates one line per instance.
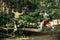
(0, 4)
(22, 22)
(32, 8)
(32, 14)
(9, 25)
(6, 18)
(30, 17)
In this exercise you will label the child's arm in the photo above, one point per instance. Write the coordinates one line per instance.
(21, 13)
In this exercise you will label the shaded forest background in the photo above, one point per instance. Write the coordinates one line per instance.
(31, 9)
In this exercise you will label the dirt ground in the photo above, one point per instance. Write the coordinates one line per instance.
(44, 37)
(38, 36)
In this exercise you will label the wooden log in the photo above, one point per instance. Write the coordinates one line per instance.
(24, 29)
(31, 29)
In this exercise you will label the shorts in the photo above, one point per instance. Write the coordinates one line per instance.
(46, 21)
(15, 21)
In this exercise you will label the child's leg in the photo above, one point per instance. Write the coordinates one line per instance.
(40, 26)
(15, 26)
(50, 26)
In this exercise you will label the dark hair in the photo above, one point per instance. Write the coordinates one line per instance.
(42, 11)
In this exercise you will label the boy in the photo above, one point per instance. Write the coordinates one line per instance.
(16, 16)
(45, 20)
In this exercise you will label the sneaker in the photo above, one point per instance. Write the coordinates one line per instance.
(15, 29)
(52, 29)
(40, 28)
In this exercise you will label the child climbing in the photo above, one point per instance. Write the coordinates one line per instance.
(16, 16)
(45, 20)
